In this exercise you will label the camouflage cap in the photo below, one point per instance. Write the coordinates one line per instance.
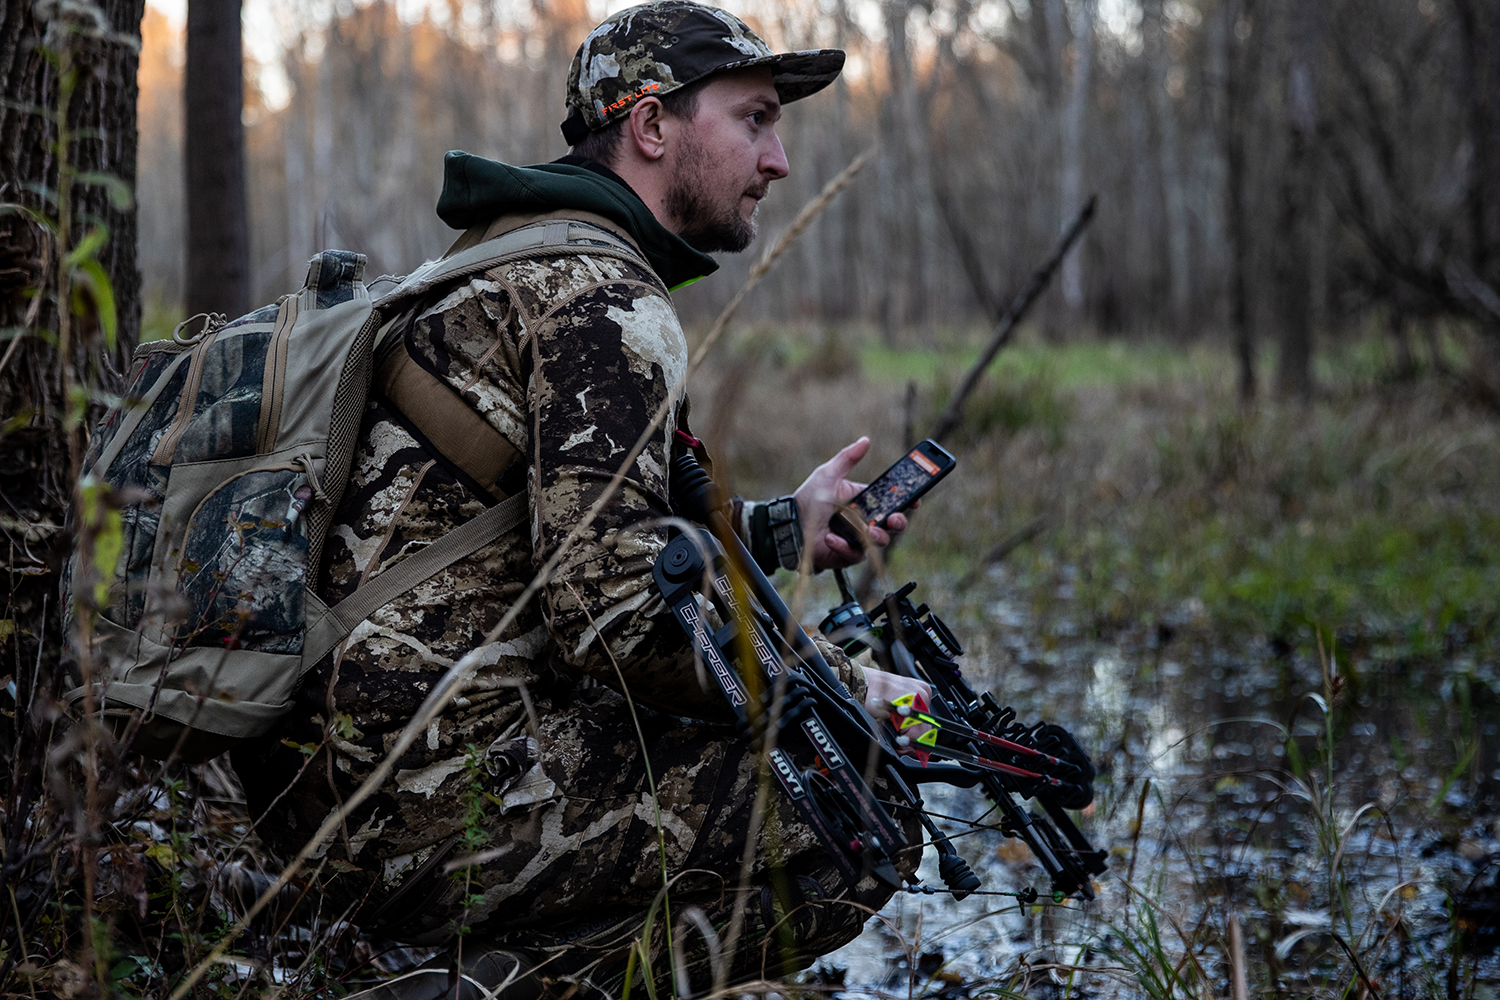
(655, 48)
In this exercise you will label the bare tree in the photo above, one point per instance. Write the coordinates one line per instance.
(1298, 195)
(1162, 79)
(1291, 167)
(1074, 123)
(218, 260)
(41, 444)
(1241, 62)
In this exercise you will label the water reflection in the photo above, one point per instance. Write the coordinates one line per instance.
(1340, 809)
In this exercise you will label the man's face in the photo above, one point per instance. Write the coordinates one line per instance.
(724, 159)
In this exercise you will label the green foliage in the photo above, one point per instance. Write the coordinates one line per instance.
(478, 800)
(1004, 403)
(1080, 363)
(101, 524)
(1365, 511)
(832, 356)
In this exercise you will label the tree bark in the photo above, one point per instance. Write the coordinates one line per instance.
(1073, 148)
(1479, 27)
(1240, 63)
(1169, 152)
(218, 262)
(36, 460)
(1299, 194)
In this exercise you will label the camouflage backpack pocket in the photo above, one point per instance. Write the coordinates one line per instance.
(218, 460)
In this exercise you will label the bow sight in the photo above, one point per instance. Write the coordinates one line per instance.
(823, 748)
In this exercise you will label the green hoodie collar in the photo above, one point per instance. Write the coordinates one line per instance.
(475, 190)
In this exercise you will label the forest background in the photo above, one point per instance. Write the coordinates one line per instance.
(1239, 461)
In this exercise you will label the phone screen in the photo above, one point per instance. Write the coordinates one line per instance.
(897, 487)
(894, 490)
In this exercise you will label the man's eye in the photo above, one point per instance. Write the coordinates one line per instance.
(758, 117)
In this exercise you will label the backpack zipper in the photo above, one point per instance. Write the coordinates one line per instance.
(273, 384)
(186, 402)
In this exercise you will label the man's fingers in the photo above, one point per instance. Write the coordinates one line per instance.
(896, 523)
(841, 549)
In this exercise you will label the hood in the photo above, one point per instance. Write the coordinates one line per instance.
(475, 190)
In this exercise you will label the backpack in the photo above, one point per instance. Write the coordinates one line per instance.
(228, 455)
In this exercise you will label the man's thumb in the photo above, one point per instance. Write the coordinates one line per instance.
(847, 458)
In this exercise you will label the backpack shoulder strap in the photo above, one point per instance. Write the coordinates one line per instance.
(445, 419)
(390, 584)
(453, 427)
(541, 239)
(442, 416)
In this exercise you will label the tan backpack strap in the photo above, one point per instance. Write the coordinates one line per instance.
(460, 543)
(449, 423)
(541, 239)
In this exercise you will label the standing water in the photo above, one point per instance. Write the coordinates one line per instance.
(1319, 823)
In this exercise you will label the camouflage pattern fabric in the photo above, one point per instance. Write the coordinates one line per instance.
(528, 805)
(243, 569)
(654, 48)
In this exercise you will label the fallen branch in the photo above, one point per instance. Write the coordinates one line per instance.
(1006, 324)
(1007, 545)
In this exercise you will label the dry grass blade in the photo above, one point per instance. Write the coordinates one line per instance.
(1239, 980)
(438, 697)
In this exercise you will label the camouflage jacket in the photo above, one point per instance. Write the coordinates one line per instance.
(568, 357)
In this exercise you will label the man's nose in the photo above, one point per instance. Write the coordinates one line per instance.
(773, 160)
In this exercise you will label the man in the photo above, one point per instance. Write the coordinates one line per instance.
(547, 807)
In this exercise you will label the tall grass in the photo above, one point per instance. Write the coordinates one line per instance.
(1375, 510)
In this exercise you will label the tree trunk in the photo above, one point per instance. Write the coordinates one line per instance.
(1479, 26)
(294, 157)
(1169, 152)
(218, 264)
(38, 454)
(909, 219)
(1299, 194)
(1074, 123)
(1240, 62)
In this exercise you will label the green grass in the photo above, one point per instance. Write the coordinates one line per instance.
(1374, 510)
(1072, 365)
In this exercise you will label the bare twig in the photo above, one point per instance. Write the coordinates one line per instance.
(1006, 324)
(1005, 547)
(1238, 980)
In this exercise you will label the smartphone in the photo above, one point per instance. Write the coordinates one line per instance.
(893, 491)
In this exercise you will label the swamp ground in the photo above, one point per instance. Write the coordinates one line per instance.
(1273, 625)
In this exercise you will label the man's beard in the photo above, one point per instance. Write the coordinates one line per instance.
(706, 226)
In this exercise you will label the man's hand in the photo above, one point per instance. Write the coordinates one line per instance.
(881, 691)
(823, 492)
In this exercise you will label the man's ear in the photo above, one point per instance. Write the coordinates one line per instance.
(644, 127)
